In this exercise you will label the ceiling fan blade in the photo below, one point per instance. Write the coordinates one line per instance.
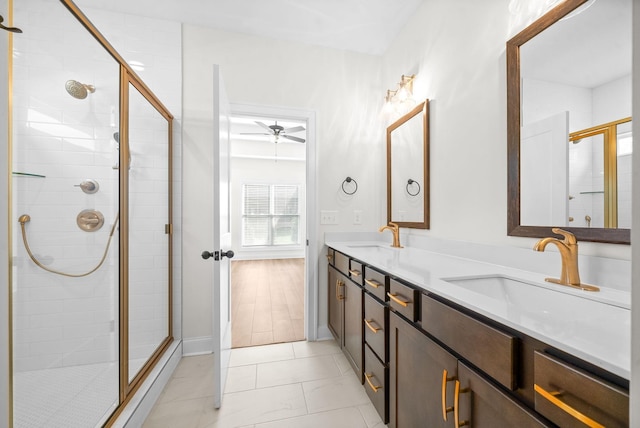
(271, 132)
(294, 129)
(299, 140)
(254, 133)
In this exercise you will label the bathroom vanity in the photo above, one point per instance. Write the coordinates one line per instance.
(445, 341)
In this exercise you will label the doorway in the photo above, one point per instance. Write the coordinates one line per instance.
(271, 285)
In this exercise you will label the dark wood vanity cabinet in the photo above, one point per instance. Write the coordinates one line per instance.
(430, 387)
(428, 362)
(336, 285)
(345, 310)
(420, 377)
(376, 345)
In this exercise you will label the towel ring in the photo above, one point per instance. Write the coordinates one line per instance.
(409, 183)
(350, 180)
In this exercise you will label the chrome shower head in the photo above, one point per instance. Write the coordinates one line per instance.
(78, 90)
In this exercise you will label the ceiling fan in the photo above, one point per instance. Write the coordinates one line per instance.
(278, 131)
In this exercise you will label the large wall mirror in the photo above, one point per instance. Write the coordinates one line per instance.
(408, 169)
(569, 122)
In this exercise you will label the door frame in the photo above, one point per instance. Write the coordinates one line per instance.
(311, 249)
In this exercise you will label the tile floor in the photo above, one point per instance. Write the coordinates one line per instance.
(287, 385)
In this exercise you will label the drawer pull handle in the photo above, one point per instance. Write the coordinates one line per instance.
(355, 272)
(445, 380)
(551, 396)
(371, 327)
(329, 258)
(393, 297)
(372, 283)
(456, 405)
(371, 385)
(338, 285)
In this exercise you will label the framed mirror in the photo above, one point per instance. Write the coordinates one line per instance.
(408, 169)
(569, 122)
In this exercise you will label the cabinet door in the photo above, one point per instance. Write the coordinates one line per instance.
(353, 325)
(416, 383)
(482, 404)
(335, 288)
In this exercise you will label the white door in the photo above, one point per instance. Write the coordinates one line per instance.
(221, 246)
(544, 172)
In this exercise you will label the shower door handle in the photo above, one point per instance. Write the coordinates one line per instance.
(217, 255)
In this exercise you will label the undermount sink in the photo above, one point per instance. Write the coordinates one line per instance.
(369, 247)
(494, 286)
(528, 295)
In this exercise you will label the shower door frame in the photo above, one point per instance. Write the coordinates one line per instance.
(128, 78)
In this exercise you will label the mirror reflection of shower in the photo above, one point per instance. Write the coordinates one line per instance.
(78, 90)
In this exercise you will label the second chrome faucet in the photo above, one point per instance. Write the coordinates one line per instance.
(393, 227)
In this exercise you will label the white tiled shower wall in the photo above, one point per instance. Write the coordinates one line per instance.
(61, 321)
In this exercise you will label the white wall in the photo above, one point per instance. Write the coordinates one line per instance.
(342, 88)
(457, 50)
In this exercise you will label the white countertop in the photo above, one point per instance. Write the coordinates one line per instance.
(593, 326)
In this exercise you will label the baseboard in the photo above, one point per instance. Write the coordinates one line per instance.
(137, 410)
(324, 333)
(197, 346)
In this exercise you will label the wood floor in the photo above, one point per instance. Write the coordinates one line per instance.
(267, 301)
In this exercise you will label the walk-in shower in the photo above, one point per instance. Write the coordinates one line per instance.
(90, 280)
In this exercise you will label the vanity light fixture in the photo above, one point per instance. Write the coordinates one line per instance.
(401, 95)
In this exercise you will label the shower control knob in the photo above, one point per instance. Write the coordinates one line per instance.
(88, 186)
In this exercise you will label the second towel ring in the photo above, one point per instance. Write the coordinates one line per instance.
(409, 183)
(350, 180)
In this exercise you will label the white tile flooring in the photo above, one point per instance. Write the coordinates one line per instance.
(287, 385)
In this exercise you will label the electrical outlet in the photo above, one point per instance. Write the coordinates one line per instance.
(328, 217)
(357, 217)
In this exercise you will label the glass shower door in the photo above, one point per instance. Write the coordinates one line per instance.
(64, 221)
(149, 243)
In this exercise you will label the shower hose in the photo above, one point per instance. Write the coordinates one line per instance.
(26, 218)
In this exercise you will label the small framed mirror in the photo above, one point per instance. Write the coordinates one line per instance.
(569, 122)
(408, 169)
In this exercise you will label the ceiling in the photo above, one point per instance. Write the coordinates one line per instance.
(587, 49)
(366, 26)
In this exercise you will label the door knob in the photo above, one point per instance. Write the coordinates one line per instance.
(217, 255)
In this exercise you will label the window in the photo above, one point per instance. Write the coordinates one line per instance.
(271, 215)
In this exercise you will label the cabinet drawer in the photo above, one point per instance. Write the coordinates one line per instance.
(403, 299)
(489, 349)
(376, 283)
(355, 272)
(375, 382)
(571, 397)
(482, 405)
(375, 322)
(341, 262)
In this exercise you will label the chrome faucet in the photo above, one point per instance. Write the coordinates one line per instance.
(568, 247)
(396, 233)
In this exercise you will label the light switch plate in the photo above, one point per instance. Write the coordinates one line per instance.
(328, 217)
